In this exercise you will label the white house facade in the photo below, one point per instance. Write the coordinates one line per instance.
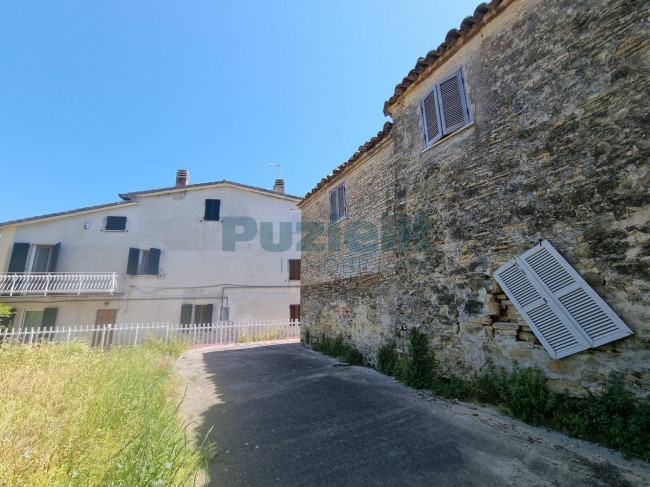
(185, 254)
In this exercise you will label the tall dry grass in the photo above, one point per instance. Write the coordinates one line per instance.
(74, 415)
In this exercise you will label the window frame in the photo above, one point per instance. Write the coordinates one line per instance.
(335, 191)
(443, 131)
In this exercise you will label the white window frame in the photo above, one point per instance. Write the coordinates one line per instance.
(335, 191)
(442, 130)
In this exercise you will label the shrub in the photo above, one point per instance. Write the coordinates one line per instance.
(338, 348)
(418, 368)
(387, 358)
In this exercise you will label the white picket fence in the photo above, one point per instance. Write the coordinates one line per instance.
(136, 333)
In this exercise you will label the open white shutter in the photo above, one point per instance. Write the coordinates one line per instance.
(547, 321)
(593, 317)
(565, 314)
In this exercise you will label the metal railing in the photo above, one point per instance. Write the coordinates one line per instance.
(131, 334)
(60, 284)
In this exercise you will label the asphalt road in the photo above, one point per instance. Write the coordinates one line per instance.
(283, 415)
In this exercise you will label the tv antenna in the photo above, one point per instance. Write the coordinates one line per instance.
(278, 166)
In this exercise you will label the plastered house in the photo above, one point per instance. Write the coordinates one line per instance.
(504, 211)
(190, 253)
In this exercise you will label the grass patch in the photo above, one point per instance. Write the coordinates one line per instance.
(337, 348)
(615, 419)
(75, 415)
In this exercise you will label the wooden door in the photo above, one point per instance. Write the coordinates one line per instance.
(104, 317)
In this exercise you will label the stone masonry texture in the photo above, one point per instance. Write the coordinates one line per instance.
(557, 149)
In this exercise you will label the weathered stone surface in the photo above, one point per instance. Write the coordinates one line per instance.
(592, 376)
(527, 336)
(557, 150)
(571, 388)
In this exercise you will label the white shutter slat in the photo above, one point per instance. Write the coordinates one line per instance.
(586, 309)
(431, 118)
(544, 317)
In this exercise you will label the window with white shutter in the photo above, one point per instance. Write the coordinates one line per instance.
(445, 108)
(338, 204)
(566, 315)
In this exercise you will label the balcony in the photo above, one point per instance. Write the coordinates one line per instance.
(60, 284)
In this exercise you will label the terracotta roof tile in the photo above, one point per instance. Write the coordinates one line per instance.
(467, 26)
(381, 135)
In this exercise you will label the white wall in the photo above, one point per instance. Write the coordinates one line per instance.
(193, 267)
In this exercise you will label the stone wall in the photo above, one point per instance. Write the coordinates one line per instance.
(557, 150)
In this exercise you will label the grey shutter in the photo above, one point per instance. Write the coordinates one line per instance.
(117, 223)
(343, 210)
(431, 118)
(54, 258)
(208, 313)
(333, 207)
(18, 260)
(587, 311)
(154, 262)
(49, 317)
(562, 310)
(132, 264)
(543, 317)
(453, 104)
(186, 314)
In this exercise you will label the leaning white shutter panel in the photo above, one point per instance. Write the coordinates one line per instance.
(554, 330)
(451, 94)
(431, 118)
(588, 312)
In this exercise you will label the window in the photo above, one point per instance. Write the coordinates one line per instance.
(566, 315)
(338, 205)
(200, 314)
(294, 269)
(212, 209)
(294, 312)
(445, 108)
(143, 262)
(115, 224)
(43, 318)
(44, 258)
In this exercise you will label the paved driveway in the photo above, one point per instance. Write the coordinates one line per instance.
(283, 415)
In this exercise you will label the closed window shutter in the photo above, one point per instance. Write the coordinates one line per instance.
(212, 210)
(453, 107)
(294, 269)
(154, 262)
(116, 223)
(294, 312)
(186, 314)
(18, 260)
(54, 258)
(132, 264)
(342, 203)
(431, 118)
(49, 317)
(333, 207)
(566, 315)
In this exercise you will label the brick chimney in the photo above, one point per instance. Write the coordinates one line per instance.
(182, 177)
(279, 186)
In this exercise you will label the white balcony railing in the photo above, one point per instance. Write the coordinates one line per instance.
(60, 284)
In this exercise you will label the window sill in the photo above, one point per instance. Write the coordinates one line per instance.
(339, 220)
(450, 136)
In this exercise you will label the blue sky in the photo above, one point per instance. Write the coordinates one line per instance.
(104, 97)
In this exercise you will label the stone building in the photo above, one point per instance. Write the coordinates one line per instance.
(529, 123)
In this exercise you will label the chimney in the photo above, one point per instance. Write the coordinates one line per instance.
(279, 186)
(182, 177)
